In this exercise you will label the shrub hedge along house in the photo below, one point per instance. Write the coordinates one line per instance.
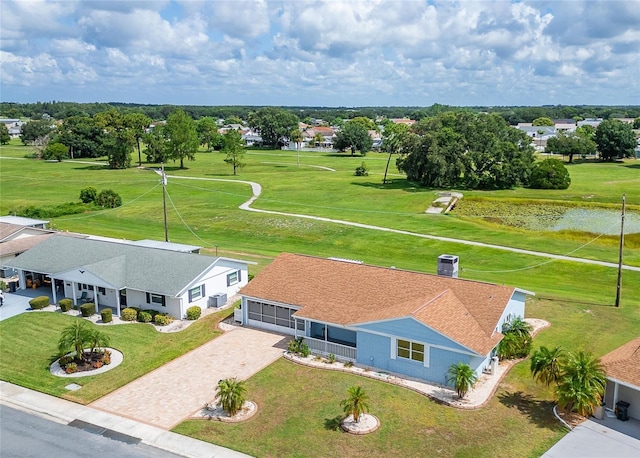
(118, 274)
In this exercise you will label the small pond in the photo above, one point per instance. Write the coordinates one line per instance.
(597, 221)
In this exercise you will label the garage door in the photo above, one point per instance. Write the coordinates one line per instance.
(273, 317)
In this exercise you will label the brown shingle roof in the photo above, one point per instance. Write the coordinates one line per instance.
(348, 294)
(623, 363)
(7, 229)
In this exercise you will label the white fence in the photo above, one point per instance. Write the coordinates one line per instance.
(340, 351)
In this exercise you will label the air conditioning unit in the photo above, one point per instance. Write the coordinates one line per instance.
(448, 265)
(217, 300)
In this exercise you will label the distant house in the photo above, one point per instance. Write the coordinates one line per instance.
(393, 320)
(116, 275)
(622, 367)
(14, 126)
(17, 235)
(406, 121)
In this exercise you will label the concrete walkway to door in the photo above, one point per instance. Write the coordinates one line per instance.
(175, 391)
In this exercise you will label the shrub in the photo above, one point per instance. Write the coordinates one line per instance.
(144, 317)
(65, 304)
(348, 364)
(128, 314)
(549, 174)
(39, 302)
(331, 359)
(108, 198)
(304, 350)
(71, 368)
(151, 312)
(88, 309)
(106, 315)
(162, 319)
(193, 313)
(106, 357)
(362, 171)
(88, 194)
(65, 360)
(97, 364)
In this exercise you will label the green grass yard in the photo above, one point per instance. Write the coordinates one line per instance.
(296, 419)
(28, 346)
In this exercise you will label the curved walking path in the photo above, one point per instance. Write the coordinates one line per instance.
(257, 190)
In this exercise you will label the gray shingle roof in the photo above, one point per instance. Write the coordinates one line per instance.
(121, 265)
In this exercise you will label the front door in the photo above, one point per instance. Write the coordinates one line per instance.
(123, 298)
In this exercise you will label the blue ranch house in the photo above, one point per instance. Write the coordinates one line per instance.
(402, 322)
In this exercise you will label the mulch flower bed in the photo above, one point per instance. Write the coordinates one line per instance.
(91, 361)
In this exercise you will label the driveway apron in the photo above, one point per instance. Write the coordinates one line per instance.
(175, 391)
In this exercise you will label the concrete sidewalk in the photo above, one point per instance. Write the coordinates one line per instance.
(593, 440)
(63, 411)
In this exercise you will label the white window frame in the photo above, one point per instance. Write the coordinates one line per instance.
(426, 353)
(235, 274)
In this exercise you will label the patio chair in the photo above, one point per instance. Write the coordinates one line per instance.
(83, 297)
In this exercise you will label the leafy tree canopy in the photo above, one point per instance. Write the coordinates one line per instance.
(570, 144)
(550, 174)
(615, 139)
(543, 121)
(182, 137)
(355, 136)
(463, 149)
(32, 130)
(5, 137)
(273, 124)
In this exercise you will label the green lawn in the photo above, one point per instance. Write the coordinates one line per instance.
(300, 418)
(28, 346)
(297, 417)
(295, 402)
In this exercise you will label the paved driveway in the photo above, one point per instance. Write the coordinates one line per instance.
(593, 440)
(173, 392)
(14, 304)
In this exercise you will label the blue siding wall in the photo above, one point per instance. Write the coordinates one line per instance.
(515, 307)
(375, 350)
(410, 329)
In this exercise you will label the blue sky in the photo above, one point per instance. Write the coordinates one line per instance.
(321, 53)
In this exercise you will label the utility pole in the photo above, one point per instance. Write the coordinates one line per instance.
(619, 285)
(164, 203)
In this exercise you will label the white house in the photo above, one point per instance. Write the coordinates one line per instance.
(116, 275)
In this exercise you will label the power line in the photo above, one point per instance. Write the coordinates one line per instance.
(537, 265)
(90, 215)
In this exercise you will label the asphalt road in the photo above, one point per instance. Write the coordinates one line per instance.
(24, 435)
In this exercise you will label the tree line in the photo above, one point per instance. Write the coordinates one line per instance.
(513, 115)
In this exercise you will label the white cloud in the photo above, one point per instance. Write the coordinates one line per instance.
(333, 52)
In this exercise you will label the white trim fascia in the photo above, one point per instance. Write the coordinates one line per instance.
(267, 301)
(625, 384)
(426, 326)
(104, 285)
(520, 290)
(234, 260)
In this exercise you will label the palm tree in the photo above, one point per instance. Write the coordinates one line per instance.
(582, 383)
(296, 137)
(517, 339)
(98, 339)
(231, 393)
(462, 377)
(75, 336)
(518, 327)
(546, 365)
(357, 402)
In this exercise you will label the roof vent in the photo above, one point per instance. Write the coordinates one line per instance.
(352, 261)
(448, 265)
